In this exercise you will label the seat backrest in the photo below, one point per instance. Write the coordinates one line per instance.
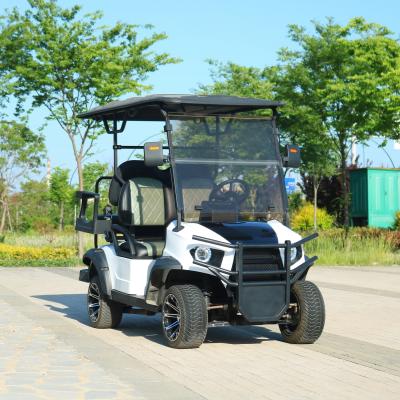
(127, 170)
(136, 173)
(142, 203)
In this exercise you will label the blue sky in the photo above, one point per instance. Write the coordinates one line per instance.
(245, 32)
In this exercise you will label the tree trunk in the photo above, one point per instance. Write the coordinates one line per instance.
(345, 188)
(10, 226)
(315, 203)
(3, 217)
(80, 234)
(3, 201)
(61, 221)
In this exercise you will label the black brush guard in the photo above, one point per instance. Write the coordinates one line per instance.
(262, 300)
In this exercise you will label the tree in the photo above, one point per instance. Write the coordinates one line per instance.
(35, 206)
(317, 163)
(60, 191)
(235, 80)
(21, 151)
(343, 83)
(65, 62)
(317, 160)
(92, 171)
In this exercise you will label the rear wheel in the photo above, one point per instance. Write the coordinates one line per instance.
(184, 317)
(307, 314)
(102, 313)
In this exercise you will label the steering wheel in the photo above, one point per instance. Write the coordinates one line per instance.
(219, 193)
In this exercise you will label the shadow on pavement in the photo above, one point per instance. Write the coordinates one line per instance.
(74, 306)
(71, 305)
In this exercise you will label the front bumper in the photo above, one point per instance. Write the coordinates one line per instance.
(264, 300)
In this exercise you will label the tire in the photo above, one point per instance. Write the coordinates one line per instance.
(103, 314)
(184, 317)
(310, 315)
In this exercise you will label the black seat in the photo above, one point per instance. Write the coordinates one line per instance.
(146, 205)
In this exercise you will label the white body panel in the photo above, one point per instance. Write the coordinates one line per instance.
(127, 275)
(132, 276)
(283, 233)
(180, 243)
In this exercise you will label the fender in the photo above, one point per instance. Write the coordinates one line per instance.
(158, 276)
(96, 260)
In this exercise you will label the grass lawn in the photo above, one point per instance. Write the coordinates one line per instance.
(361, 246)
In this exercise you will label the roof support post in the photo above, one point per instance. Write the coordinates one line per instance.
(168, 131)
(115, 148)
(114, 131)
(275, 132)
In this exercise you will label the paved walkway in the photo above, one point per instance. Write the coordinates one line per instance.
(47, 350)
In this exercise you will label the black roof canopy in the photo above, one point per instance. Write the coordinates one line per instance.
(147, 108)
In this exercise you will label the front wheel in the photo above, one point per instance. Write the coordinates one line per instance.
(184, 317)
(102, 313)
(307, 314)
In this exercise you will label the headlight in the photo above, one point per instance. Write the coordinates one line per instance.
(295, 254)
(203, 254)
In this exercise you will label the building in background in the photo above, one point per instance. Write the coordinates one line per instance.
(375, 196)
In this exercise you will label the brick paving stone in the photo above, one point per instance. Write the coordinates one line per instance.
(34, 364)
(48, 351)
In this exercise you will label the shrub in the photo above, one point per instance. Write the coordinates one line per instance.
(397, 221)
(295, 201)
(17, 255)
(303, 219)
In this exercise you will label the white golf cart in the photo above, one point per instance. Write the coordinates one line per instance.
(198, 228)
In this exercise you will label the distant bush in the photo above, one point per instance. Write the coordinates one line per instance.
(295, 201)
(397, 221)
(24, 255)
(303, 219)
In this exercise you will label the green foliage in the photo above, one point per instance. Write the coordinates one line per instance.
(61, 192)
(357, 246)
(236, 80)
(343, 79)
(92, 171)
(66, 62)
(21, 150)
(60, 188)
(295, 201)
(341, 82)
(35, 207)
(25, 255)
(397, 221)
(303, 219)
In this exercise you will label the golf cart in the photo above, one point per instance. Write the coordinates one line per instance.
(197, 225)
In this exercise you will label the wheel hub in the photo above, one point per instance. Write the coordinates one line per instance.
(93, 301)
(171, 317)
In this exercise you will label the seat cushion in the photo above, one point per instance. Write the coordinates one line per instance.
(148, 248)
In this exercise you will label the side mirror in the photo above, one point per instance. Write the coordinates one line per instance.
(292, 157)
(153, 154)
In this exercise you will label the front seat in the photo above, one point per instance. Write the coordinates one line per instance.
(142, 203)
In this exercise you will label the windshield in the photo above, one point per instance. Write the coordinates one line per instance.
(226, 169)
